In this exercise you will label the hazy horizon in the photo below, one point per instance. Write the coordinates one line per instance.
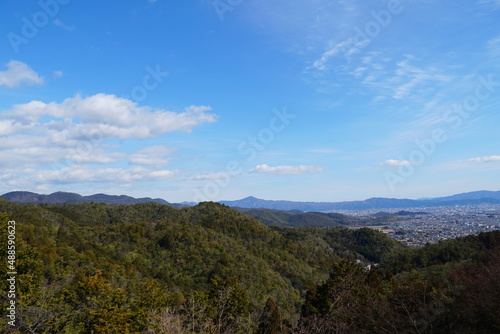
(236, 199)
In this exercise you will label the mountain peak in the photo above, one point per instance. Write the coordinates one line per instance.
(251, 198)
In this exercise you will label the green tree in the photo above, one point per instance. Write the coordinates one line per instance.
(270, 319)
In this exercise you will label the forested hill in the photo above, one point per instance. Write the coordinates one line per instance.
(152, 268)
(60, 197)
(299, 219)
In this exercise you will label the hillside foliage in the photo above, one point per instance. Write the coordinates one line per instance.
(152, 268)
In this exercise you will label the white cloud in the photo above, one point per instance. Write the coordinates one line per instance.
(485, 159)
(283, 170)
(397, 77)
(153, 155)
(31, 156)
(58, 74)
(401, 79)
(32, 177)
(494, 3)
(8, 127)
(17, 74)
(109, 115)
(82, 174)
(85, 174)
(494, 45)
(58, 23)
(159, 174)
(212, 176)
(323, 151)
(346, 48)
(95, 155)
(416, 77)
(70, 142)
(396, 163)
(307, 26)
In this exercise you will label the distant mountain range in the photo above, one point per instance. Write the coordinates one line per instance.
(470, 195)
(65, 197)
(470, 198)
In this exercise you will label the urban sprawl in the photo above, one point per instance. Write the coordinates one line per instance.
(416, 227)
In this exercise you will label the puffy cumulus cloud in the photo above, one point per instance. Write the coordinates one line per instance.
(19, 73)
(396, 163)
(76, 141)
(485, 159)
(284, 170)
(8, 127)
(112, 116)
(78, 128)
(95, 156)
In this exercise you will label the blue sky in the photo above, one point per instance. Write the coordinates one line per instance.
(215, 100)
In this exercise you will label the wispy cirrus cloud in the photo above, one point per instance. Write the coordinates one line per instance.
(493, 3)
(59, 23)
(344, 49)
(58, 74)
(485, 159)
(323, 151)
(403, 78)
(308, 27)
(493, 46)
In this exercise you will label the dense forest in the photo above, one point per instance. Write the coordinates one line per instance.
(299, 219)
(153, 268)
